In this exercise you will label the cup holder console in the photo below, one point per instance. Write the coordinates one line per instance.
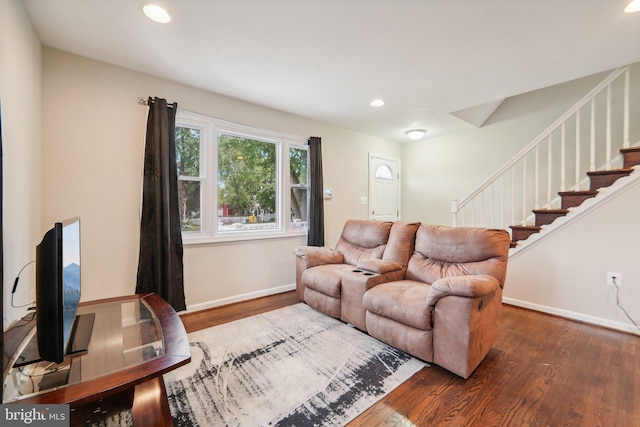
(366, 273)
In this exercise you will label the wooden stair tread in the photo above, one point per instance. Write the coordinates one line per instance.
(551, 211)
(522, 232)
(631, 156)
(547, 216)
(578, 193)
(604, 178)
(635, 149)
(622, 171)
(525, 227)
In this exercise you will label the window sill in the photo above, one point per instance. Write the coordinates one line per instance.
(242, 236)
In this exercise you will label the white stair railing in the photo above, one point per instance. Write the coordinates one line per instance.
(581, 140)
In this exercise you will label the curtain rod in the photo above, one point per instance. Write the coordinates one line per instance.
(143, 101)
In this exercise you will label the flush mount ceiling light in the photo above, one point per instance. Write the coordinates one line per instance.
(415, 134)
(156, 13)
(632, 7)
(377, 103)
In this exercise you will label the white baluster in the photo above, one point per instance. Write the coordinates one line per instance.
(482, 209)
(607, 165)
(513, 195)
(524, 191)
(536, 203)
(562, 160)
(625, 132)
(502, 202)
(491, 211)
(473, 212)
(454, 211)
(592, 166)
(577, 186)
(549, 173)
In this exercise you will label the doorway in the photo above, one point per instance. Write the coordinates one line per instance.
(384, 188)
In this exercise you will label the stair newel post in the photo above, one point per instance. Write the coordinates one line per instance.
(454, 211)
(592, 166)
(607, 165)
(625, 132)
(563, 185)
(577, 185)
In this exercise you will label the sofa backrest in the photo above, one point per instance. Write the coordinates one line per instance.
(442, 251)
(363, 239)
(401, 242)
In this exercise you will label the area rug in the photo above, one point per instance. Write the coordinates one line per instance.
(289, 367)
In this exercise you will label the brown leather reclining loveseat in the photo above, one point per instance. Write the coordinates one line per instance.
(432, 291)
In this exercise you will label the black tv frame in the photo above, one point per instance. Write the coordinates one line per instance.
(50, 342)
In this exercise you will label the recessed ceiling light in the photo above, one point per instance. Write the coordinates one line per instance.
(632, 7)
(156, 13)
(377, 103)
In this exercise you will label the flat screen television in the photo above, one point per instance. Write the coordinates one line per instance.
(58, 289)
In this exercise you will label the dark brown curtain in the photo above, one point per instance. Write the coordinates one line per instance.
(316, 208)
(160, 267)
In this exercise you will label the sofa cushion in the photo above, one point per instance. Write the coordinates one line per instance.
(363, 239)
(442, 251)
(325, 279)
(404, 301)
(401, 240)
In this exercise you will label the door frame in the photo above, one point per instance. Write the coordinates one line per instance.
(370, 172)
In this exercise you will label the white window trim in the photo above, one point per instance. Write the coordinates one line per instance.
(210, 128)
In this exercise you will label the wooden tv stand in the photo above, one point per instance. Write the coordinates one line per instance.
(135, 340)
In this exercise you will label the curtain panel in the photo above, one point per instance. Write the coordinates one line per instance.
(316, 201)
(160, 265)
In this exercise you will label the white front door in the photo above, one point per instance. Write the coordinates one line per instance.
(384, 188)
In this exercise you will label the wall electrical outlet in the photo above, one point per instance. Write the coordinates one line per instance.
(614, 279)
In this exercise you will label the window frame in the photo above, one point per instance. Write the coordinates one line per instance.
(211, 128)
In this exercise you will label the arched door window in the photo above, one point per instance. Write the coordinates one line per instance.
(384, 172)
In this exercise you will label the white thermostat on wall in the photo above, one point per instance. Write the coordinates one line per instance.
(328, 192)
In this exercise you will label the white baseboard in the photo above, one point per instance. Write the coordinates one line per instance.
(607, 323)
(238, 298)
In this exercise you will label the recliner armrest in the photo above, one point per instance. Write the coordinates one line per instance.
(314, 255)
(473, 286)
(379, 266)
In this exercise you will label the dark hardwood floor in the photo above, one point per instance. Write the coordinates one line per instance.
(542, 371)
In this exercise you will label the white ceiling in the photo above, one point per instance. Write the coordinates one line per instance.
(327, 59)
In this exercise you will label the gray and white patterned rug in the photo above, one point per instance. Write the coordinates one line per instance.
(288, 367)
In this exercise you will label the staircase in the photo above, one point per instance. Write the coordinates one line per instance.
(572, 199)
(589, 144)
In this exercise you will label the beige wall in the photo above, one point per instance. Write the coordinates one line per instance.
(20, 92)
(93, 145)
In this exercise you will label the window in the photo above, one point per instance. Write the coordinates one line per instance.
(236, 182)
(384, 172)
(298, 182)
